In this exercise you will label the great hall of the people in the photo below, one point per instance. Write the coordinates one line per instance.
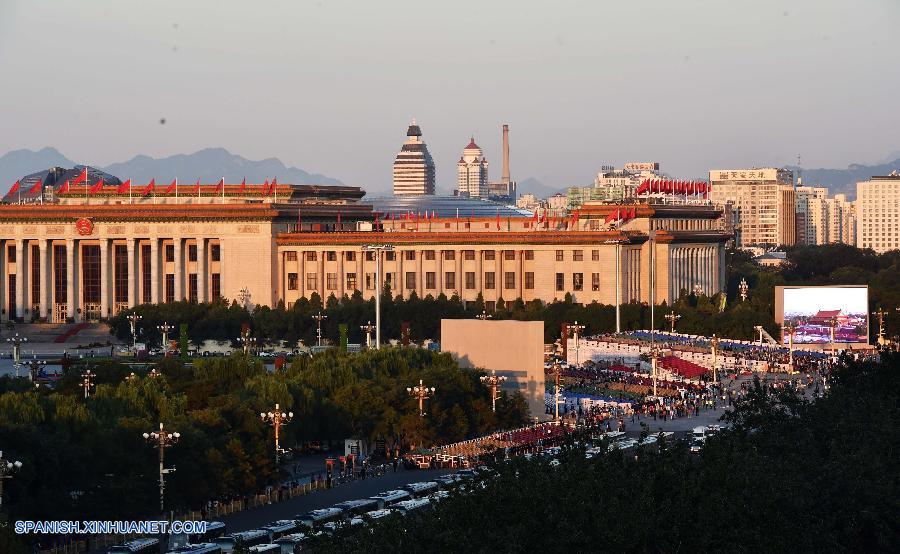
(78, 256)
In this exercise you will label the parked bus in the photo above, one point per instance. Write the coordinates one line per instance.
(357, 507)
(202, 548)
(387, 498)
(422, 488)
(267, 548)
(280, 528)
(316, 518)
(292, 544)
(214, 530)
(244, 538)
(136, 546)
(407, 506)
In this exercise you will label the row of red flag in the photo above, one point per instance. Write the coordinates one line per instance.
(670, 186)
(621, 215)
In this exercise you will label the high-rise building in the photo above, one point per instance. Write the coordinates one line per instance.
(822, 219)
(878, 213)
(472, 172)
(413, 166)
(763, 203)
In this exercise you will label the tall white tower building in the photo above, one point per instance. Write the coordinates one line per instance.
(413, 166)
(472, 170)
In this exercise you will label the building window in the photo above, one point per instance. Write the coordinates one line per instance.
(170, 287)
(509, 254)
(192, 252)
(11, 253)
(120, 263)
(595, 255)
(330, 256)
(595, 281)
(559, 255)
(370, 281)
(351, 281)
(469, 254)
(192, 287)
(389, 280)
(470, 280)
(429, 280)
(90, 272)
(146, 275)
(577, 281)
(36, 275)
(488, 254)
(331, 281)
(560, 282)
(215, 252)
(215, 286)
(429, 254)
(170, 252)
(529, 254)
(350, 256)
(409, 255)
(291, 256)
(529, 280)
(411, 280)
(390, 256)
(489, 306)
(311, 257)
(293, 281)
(449, 255)
(509, 279)
(577, 255)
(370, 256)
(489, 280)
(59, 274)
(311, 284)
(450, 280)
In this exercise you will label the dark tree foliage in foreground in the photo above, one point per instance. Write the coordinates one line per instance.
(789, 475)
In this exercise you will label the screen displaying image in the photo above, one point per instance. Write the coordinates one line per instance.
(815, 310)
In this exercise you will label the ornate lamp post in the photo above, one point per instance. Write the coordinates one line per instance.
(87, 383)
(672, 317)
(377, 249)
(153, 374)
(247, 342)
(483, 315)
(16, 343)
(654, 363)
(276, 419)
(133, 320)
(880, 313)
(244, 296)
(319, 317)
(575, 327)
(34, 369)
(7, 468)
(161, 440)
(165, 329)
(557, 391)
(791, 328)
(131, 377)
(743, 287)
(493, 381)
(832, 323)
(368, 328)
(714, 346)
(421, 392)
(698, 289)
(618, 244)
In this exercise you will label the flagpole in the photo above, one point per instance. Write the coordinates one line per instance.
(223, 190)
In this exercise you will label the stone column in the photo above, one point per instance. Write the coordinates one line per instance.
(20, 278)
(45, 276)
(4, 280)
(479, 273)
(440, 271)
(104, 279)
(301, 259)
(342, 279)
(71, 303)
(132, 272)
(178, 270)
(202, 271)
(222, 253)
(154, 270)
(320, 278)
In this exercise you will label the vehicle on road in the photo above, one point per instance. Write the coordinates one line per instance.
(317, 518)
(280, 528)
(136, 546)
(265, 549)
(200, 548)
(214, 530)
(352, 508)
(407, 506)
(292, 544)
(243, 539)
(421, 488)
(387, 498)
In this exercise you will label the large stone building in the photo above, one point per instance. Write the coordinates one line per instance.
(413, 166)
(472, 172)
(878, 213)
(763, 204)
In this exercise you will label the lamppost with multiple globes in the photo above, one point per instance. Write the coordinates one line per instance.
(880, 313)
(493, 382)
(34, 368)
(368, 328)
(832, 324)
(483, 315)
(276, 419)
(672, 317)
(714, 347)
(743, 287)
(131, 377)
(16, 343)
(87, 382)
(319, 317)
(575, 328)
(791, 328)
(247, 342)
(698, 289)
(133, 320)
(557, 391)
(617, 243)
(153, 373)
(7, 468)
(162, 439)
(421, 392)
(165, 329)
(378, 249)
(654, 366)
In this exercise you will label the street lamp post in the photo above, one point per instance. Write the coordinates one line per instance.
(162, 440)
(654, 361)
(153, 374)
(247, 342)
(34, 368)
(7, 468)
(276, 419)
(832, 323)
(493, 381)
(16, 343)
(319, 317)
(87, 382)
(377, 249)
(575, 327)
(791, 328)
(672, 317)
(165, 329)
(133, 320)
(617, 243)
(557, 381)
(698, 289)
(368, 328)
(131, 377)
(483, 315)
(743, 288)
(881, 315)
(421, 392)
(714, 346)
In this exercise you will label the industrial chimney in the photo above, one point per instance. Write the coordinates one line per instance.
(505, 179)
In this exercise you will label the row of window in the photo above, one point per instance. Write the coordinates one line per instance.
(410, 255)
(509, 281)
(215, 252)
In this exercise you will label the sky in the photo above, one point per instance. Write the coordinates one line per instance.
(809, 300)
(331, 86)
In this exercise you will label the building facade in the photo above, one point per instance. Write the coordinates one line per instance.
(472, 172)
(413, 166)
(878, 213)
(763, 204)
(822, 219)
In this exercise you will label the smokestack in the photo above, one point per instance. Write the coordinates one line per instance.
(505, 154)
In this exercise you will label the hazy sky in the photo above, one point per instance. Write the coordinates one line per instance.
(330, 86)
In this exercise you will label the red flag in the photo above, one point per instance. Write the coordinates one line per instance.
(534, 218)
(265, 187)
(97, 187)
(376, 221)
(13, 189)
(498, 220)
(82, 177)
(149, 188)
(124, 187)
(197, 187)
(220, 186)
(171, 188)
(36, 188)
(243, 186)
(64, 189)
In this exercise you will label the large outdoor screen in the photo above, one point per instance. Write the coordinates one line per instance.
(815, 310)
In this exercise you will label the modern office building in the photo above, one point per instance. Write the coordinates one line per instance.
(472, 172)
(878, 213)
(763, 204)
(822, 219)
(413, 166)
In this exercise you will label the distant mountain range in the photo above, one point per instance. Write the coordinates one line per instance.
(844, 181)
(209, 165)
(537, 188)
